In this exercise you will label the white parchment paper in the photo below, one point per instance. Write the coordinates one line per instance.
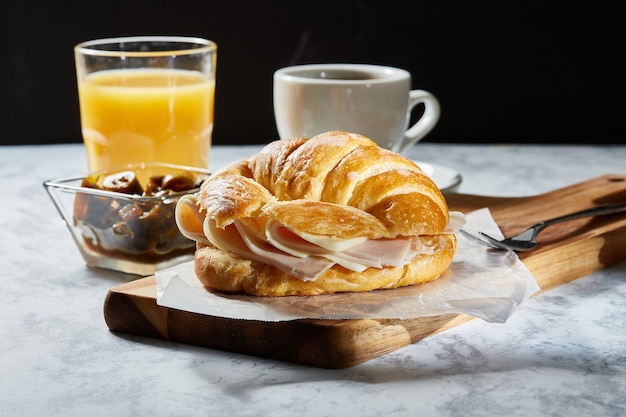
(483, 283)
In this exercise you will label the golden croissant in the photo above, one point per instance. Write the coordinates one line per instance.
(332, 213)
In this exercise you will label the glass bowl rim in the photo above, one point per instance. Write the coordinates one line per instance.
(62, 183)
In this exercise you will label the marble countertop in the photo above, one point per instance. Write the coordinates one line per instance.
(562, 353)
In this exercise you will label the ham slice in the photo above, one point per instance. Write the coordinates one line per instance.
(359, 254)
(302, 255)
(189, 219)
(236, 238)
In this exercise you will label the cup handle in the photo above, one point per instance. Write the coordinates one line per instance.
(426, 123)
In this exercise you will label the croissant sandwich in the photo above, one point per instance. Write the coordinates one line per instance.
(333, 213)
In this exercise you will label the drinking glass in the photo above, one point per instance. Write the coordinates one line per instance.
(146, 99)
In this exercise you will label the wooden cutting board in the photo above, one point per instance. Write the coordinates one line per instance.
(567, 251)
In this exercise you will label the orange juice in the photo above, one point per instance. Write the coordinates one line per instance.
(146, 115)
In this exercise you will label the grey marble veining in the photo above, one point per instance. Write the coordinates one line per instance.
(563, 353)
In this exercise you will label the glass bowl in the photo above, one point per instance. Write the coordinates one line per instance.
(124, 219)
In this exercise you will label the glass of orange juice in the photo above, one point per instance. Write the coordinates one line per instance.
(146, 99)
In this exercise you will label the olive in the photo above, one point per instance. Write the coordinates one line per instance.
(154, 185)
(178, 183)
(122, 182)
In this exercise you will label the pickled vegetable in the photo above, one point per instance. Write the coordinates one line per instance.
(131, 227)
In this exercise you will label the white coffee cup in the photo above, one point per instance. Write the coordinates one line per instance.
(375, 101)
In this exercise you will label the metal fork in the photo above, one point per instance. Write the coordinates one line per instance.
(527, 239)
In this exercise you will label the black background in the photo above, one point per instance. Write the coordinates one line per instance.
(504, 71)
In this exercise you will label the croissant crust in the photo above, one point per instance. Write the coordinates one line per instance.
(313, 186)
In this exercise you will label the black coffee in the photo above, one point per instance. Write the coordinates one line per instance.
(345, 75)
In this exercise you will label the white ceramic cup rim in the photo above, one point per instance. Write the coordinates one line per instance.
(188, 45)
(380, 74)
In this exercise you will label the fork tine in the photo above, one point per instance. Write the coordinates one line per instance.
(495, 242)
(480, 240)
